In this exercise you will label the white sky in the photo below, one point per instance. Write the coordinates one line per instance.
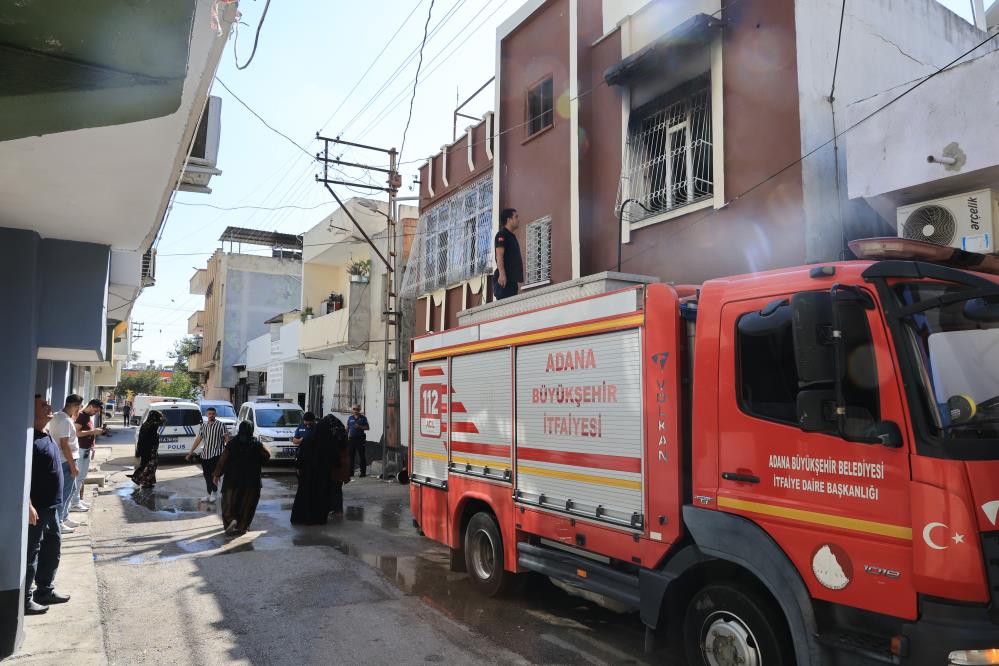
(309, 57)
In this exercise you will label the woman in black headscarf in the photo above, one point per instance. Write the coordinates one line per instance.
(314, 465)
(240, 465)
(147, 447)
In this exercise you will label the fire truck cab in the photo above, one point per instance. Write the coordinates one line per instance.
(797, 466)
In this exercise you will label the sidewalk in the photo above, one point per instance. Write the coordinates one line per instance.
(71, 632)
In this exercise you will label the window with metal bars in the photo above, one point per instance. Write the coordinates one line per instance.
(668, 160)
(453, 240)
(538, 257)
(350, 388)
(540, 106)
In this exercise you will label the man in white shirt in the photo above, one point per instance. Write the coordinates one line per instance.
(62, 428)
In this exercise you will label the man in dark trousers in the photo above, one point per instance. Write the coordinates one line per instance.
(214, 437)
(509, 263)
(44, 534)
(357, 425)
(126, 413)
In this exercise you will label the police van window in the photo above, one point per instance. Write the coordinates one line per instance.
(768, 375)
(768, 381)
(181, 417)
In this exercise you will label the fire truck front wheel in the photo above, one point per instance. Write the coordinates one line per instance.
(484, 555)
(733, 625)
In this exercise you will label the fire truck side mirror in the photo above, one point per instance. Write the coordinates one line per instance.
(814, 352)
(817, 411)
(886, 433)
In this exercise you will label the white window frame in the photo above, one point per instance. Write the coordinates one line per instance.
(717, 200)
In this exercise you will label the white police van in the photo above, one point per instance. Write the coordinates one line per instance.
(181, 425)
(274, 423)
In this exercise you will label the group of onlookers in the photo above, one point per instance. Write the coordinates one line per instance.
(61, 454)
(64, 445)
(325, 461)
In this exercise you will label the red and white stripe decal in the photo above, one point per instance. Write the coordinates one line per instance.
(592, 460)
(498, 450)
(458, 426)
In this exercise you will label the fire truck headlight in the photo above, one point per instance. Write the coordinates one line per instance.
(974, 657)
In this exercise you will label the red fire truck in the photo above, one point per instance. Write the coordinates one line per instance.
(797, 466)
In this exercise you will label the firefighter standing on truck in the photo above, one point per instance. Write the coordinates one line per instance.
(509, 264)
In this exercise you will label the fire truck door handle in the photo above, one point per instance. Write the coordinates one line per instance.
(741, 478)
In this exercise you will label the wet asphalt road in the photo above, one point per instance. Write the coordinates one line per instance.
(367, 589)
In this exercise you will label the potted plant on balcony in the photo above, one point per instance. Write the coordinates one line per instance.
(306, 313)
(359, 270)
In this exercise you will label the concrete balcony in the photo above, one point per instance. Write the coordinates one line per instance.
(195, 323)
(199, 282)
(194, 363)
(348, 328)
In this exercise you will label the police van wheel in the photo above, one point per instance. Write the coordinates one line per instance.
(484, 555)
(732, 625)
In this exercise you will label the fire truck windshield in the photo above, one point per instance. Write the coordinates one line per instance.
(956, 345)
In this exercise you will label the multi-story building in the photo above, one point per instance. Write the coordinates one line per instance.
(343, 327)
(712, 127)
(242, 291)
(711, 121)
(93, 144)
(452, 248)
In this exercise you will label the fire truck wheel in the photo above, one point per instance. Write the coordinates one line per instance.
(484, 555)
(732, 625)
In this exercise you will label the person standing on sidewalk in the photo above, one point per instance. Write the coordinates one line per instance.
(44, 545)
(126, 413)
(87, 434)
(62, 427)
(357, 426)
(214, 437)
(509, 263)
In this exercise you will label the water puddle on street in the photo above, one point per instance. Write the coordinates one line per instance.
(162, 501)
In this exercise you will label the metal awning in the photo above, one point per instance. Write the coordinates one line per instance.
(260, 237)
(663, 54)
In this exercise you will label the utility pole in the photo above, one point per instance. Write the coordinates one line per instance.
(391, 314)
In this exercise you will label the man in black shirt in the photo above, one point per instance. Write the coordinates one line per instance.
(509, 264)
(44, 534)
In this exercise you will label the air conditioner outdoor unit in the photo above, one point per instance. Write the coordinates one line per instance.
(967, 221)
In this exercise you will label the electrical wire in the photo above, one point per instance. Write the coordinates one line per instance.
(231, 208)
(398, 70)
(371, 66)
(256, 38)
(392, 104)
(416, 79)
(260, 118)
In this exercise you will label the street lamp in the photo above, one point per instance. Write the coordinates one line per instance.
(620, 226)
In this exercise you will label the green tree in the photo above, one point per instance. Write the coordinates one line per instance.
(179, 386)
(183, 348)
(138, 382)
